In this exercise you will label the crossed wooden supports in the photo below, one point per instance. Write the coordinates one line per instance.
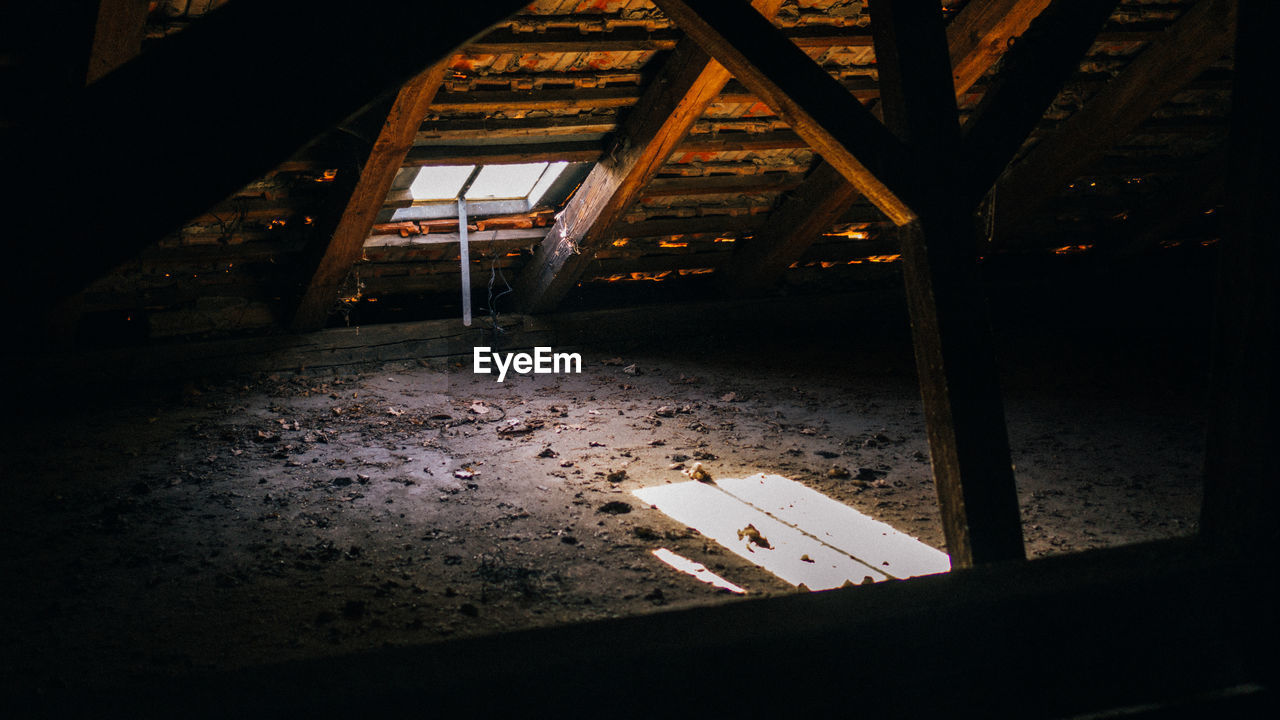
(927, 176)
(921, 172)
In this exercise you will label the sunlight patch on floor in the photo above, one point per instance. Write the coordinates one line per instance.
(795, 532)
(696, 569)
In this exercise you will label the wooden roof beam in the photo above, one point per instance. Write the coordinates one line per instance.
(814, 104)
(980, 34)
(302, 67)
(1034, 71)
(975, 39)
(117, 36)
(1201, 36)
(319, 295)
(675, 100)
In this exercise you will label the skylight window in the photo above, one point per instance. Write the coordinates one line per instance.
(439, 183)
(524, 181)
(505, 181)
(488, 190)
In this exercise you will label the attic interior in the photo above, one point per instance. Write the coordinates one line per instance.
(988, 278)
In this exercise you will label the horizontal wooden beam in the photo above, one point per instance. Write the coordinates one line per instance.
(495, 129)
(525, 236)
(506, 42)
(1128, 631)
(742, 142)
(605, 98)
(568, 151)
(156, 134)
(487, 101)
(722, 184)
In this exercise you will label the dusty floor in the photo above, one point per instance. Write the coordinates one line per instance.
(256, 519)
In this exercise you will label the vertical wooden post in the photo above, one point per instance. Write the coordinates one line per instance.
(1242, 467)
(968, 439)
(464, 256)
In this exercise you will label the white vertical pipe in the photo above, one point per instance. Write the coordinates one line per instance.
(465, 255)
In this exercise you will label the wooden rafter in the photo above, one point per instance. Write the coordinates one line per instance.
(367, 196)
(117, 35)
(976, 38)
(980, 34)
(689, 81)
(1201, 36)
(814, 104)
(1034, 72)
(192, 144)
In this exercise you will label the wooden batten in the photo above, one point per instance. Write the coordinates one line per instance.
(569, 151)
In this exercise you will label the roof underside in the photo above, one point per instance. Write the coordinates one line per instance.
(555, 81)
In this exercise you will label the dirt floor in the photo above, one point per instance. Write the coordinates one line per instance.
(232, 522)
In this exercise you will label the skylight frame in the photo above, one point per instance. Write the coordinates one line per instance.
(553, 185)
(449, 180)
